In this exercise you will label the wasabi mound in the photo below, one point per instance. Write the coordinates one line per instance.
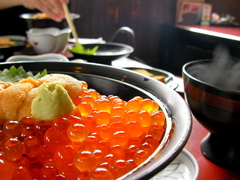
(52, 101)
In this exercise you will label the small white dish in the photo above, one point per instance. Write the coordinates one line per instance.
(48, 40)
(43, 57)
(184, 167)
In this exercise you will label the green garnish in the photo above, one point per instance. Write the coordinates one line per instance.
(80, 49)
(16, 74)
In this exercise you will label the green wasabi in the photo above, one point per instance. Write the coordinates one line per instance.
(52, 101)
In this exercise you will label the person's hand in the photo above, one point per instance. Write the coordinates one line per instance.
(51, 7)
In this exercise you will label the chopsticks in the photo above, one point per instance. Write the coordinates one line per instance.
(70, 23)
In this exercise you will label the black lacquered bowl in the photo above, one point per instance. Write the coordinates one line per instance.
(127, 84)
(106, 52)
(218, 110)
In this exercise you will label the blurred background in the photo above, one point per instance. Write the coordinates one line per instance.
(102, 18)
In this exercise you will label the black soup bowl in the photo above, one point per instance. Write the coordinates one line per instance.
(126, 84)
(218, 110)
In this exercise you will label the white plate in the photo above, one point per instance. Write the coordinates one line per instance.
(16, 37)
(87, 40)
(184, 167)
(170, 78)
(43, 57)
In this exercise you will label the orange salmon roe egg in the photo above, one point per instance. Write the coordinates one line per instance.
(119, 137)
(147, 105)
(132, 149)
(61, 123)
(112, 98)
(90, 143)
(12, 128)
(84, 108)
(117, 111)
(144, 118)
(77, 132)
(90, 123)
(99, 155)
(27, 126)
(104, 131)
(140, 156)
(131, 116)
(6, 169)
(104, 146)
(110, 159)
(157, 131)
(119, 152)
(64, 154)
(117, 126)
(133, 104)
(69, 171)
(117, 102)
(150, 139)
(85, 161)
(54, 138)
(103, 104)
(75, 119)
(155, 107)
(102, 117)
(101, 174)
(121, 167)
(93, 93)
(134, 129)
(32, 145)
(21, 173)
(159, 118)
(41, 127)
(103, 138)
(88, 99)
(13, 149)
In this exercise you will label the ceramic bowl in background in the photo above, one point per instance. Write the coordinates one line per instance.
(45, 23)
(48, 40)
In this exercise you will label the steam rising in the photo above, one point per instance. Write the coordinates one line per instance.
(223, 71)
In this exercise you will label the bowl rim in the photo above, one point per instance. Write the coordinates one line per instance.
(39, 57)
(208, 86)
(47, 31)
(28, 16)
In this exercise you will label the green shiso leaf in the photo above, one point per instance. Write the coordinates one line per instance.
(14, 74)
(80, 49)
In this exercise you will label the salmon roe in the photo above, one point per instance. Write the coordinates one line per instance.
(105, 137)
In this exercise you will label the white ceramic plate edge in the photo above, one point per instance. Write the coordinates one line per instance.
(172, 83)
(42, 57)
(184, 167)
(17, 37)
